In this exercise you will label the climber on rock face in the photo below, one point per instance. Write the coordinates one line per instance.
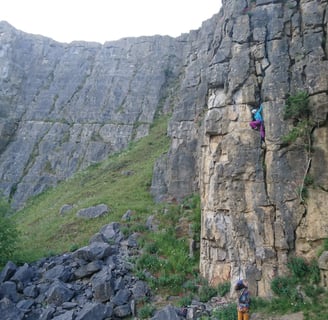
(257, 123)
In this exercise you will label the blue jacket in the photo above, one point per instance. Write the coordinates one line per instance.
(258, 114)
(244, 298)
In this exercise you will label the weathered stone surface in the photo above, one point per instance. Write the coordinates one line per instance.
(8, 290)
(8, 271)
(9, 310)
(60, 272)
(95, 251)
(323, 261)
(93, 212)
(103, 285)
(65, 208)
(112, 232)
(323, 265)
(23, 274)
(122, 311)
(69, 315)
(88, 269)
(169, 312)
(93, 311)
(58, 293)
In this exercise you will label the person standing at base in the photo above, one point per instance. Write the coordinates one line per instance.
(244, 300)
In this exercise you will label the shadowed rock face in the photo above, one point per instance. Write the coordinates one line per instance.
(65, 106)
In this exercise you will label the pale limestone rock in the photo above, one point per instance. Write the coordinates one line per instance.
(252, 215)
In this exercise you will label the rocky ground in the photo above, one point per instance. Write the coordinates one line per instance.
(92, 283)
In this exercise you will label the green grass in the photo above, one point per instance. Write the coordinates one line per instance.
(166, 252)
(45, 232)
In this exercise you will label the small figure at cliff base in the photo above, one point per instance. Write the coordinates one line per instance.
(257, 122)
(244, 300)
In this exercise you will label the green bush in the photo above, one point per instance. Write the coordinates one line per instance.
(149, 262)
(206, 292)
(281, 305)
(192, 203)
(224, 288)
(226, 313)
(283, 286)
(314, 272)
(325, 245)
(146, 311)
(259, 303)
(298, 267)
(296, 132)
(73, 247)
(297, 109)
(297, 106)
(309, 180)
(171, 281)
(185, 300)
(191, 285)
(8, 233)
(151, 247)
(313, 291)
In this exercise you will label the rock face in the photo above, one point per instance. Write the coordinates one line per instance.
(64, 106)
(253, 219)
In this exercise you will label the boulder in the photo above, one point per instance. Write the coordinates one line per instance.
(93, 212)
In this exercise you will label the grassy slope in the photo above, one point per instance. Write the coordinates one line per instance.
(44, 231)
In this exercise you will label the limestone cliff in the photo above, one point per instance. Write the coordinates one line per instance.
(65, 106)
(253, 219)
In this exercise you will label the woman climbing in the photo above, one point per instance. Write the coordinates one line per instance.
(257, 123)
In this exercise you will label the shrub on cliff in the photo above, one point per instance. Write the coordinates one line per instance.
(297, 109)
